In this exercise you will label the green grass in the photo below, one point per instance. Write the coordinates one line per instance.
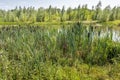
(44, 23)
(57, 53)
(112, 23)
(13, 23)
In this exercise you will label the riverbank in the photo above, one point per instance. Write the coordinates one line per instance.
(115, 23)
(46, 23)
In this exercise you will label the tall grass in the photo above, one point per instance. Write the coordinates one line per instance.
(33, 52)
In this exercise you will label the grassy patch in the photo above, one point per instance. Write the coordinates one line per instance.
(45, 23)
(52, 53)
(112, 23)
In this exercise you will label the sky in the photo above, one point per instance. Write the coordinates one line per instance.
(11, 4)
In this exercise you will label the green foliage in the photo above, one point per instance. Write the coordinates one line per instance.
(53, 14)
(50, 53)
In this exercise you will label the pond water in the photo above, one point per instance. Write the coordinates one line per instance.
(112, 33)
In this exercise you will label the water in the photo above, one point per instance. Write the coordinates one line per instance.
(112, 33)
(116, 35)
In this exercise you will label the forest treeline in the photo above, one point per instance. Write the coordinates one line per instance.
(53, 14)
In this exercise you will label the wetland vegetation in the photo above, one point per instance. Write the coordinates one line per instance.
(59, 44)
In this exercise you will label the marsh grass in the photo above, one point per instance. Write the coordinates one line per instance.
(49, 53)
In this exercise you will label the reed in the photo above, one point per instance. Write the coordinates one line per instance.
(30, 52)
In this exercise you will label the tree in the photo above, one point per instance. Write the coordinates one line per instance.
(50, 13)
(106, 14)
(78, 13)
(62, 14)
(40, 15)
(118, 13)
(69, 10)
(113, 14)
(97, 15)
